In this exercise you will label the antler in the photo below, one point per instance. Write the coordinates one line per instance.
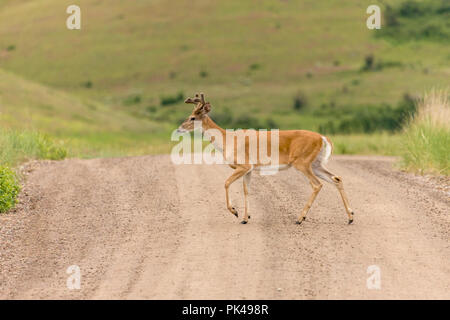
(197, 99)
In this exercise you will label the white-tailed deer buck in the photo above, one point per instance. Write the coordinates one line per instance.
(304, 150)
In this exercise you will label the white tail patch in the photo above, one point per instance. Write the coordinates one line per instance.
(321, 160)
(325, 152)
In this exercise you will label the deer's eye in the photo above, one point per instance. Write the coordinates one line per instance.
(193, 118)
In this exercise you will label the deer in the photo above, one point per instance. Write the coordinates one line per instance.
(304, 150)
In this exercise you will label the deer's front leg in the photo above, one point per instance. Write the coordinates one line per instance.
(246, 184)
(239, 172)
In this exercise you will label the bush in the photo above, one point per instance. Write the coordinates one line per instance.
(300, 101)
(132, 99)
(226, 120)
(151, 109)
(271, 124)
(417, 20)
(371, 65)
(367, 119)
(247, 121)
(223, 118)
(88, 84)
(368, 63)
(254, 66)
(9, 189)
(171, 99)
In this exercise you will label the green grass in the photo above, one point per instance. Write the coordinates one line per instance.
(20, 146)
(374, 144)
(9, 189)
(427, 149)
(427, 138)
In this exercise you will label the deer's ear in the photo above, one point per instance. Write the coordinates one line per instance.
(204, 109)
(207, 108)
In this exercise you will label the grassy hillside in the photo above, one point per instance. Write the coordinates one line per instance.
(87, 127)
(252, 57)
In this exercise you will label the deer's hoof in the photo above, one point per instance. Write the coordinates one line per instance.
(350, 221)
(244, 222)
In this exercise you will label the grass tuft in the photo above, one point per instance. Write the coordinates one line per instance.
(427, 137)
(20, 146)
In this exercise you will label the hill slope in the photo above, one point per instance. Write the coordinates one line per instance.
(85, 124)
(249, 56)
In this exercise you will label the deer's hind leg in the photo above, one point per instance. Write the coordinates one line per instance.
(326, 175)
(315, 184)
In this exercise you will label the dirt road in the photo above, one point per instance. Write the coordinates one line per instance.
(144, 228)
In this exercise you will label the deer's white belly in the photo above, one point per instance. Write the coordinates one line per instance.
(272, 167)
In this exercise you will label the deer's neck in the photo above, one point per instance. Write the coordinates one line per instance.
(208, 124)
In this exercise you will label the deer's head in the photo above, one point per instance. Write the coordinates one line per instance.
(200, 111)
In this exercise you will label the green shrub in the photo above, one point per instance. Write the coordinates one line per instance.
(271, 124)
(151, 109)
(88, 84)
(9, 189)
(203, 74)
(223, 118)
(132, 99)
(368, 63)
(254, 66)
(366, 119)
(171, 99)
(417, 20)
(371, 65)
(300, 101)
(247, 121)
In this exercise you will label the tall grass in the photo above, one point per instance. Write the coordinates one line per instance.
(21, 146)
(427, 137)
